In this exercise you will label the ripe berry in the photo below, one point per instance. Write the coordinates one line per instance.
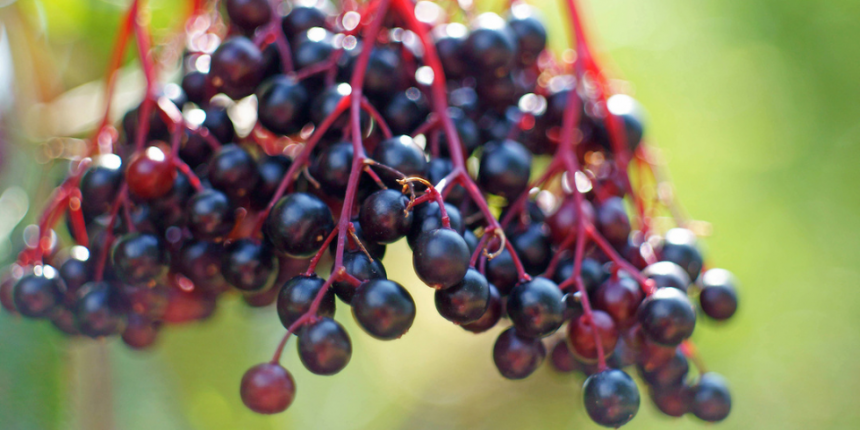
(195, 150)
(532, 245)
(711, 400)
(75, 272)
(667, 274)
(491, 44)
(376, 250)
(612, 220)
(517, 356)
(210, 215)
(299, 224)
(619, 297)
(301, 19)
(191, 306)
(271, 171)
(580, 335)
(150, 174)
(283, 105)
(536, 307)
(324, 347)
(673, 400)
(679, 247)
(200, 262)
(38, 294)
(312, 47)
(248, 14)
(100, 310)
(384, 74)
(466, 301)
(233, 171)
(505, 168)
(563, 221)
(248, 265)
(441, 258)
(383, 308)
(502, 272)
(298, 294)
(611, 398)
(562, 359)
(236, 67)
(667, 317)
(670, 374)
(491, 316)
(428, 217)
(139, 257)
(384, 216)
(332, 166)
(140, 332)
(195, 85)
(449, 40)
(360, 267)
(633, 116)
(267, 388)
(719, 297)
(100, 185)
(406, 111)
(402, 154)
(529, 32)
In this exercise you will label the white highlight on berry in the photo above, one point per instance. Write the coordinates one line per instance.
(424, 75)
(351, 20)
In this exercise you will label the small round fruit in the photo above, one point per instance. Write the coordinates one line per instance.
(383, 308)
(36, 296)
(150, 174)
(611, 398)
(619, 297)
(490, 317)
(233, 171)
(101, 310)
(711, 400)
(441, 258)
(679, 247)
(466, 301)
(580, 335)
(210, 215)
(517, 356)
(297, 295)
(667, 274)
(324, 347)
(359, 266)
(505, 168)
(671, 373)
(248, 14)
(299, 224)
(612, 220)
(248, 265)
(384, 216)
(402, 154)
(719, 296)
(667, 317)
(140, 257)
(236, 67)
(267, 388)
(283, 105)
(536, 307)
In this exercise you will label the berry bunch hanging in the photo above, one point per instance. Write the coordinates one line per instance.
(505, 169)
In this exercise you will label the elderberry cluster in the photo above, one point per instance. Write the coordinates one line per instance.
(374, 125)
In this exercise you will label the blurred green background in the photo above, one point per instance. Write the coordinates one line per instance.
(755, 106)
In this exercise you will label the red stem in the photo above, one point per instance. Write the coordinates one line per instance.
(386, 131)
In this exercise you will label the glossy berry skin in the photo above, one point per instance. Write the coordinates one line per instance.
(384, 73)
(247, 265)
(532, 245)
(376, 250)
(384, 216)
(100, 185)
(283, 105)
(580, 336)
(324, 347)
(267, 388)
(140, 257)
(299, 224)
(466, 301)
(312, 47)
(670, 374)
(406, 111)
(402, 154)
(428, 217)
(75, 273)
(490, 45)
(679, 247)
(297, 295)
(37, 296)
(719, 297)
(383, 308)
(611, 398)
(441, 258)
(332, 166)
(449, 40)
(271, 171)
(517, 356)
(563, 221)
(236, 67)
(362, 268)
(210, 215)
(502, 273)
(248, 14)
(100, 310)
(667, 274)
(150, 174)
(200, 262)
(195, 84)
(490, 317)
(562, 359)
(233, 171)
(619, 297)
(711, 400)
(195, 150)
(529, 33)
(612, 220)
(667, 317)
(301, 19)
(505, 168)
(536, 307)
